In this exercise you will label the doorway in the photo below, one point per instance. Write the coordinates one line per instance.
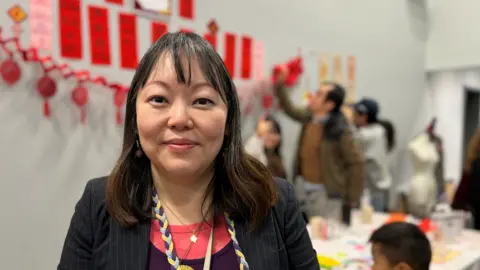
(470, 116)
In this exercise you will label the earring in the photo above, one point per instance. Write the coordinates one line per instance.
(139, 152)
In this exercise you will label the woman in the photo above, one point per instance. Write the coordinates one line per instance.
(377, 140)
(472, 176)
(183, 194)
(265, 145)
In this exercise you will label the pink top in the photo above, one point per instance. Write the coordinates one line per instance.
(181, 238)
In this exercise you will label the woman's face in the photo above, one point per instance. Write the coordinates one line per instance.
(181, 127)
(271, 139)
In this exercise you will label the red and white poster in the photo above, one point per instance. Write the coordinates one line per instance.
(186, 9)
(41, 24)
(99, 35)
(158, 30)
(246, 57)
(128, 40)
(70, 18)
(230, 53)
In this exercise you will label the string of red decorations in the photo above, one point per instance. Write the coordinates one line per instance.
(46, 86)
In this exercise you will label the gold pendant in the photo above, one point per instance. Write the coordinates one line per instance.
(184, 267)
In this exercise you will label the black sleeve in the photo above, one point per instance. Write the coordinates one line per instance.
(78, 245)
(301, 254)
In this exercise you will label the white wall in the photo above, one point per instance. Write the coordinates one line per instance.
(46, 163)
(453, 39)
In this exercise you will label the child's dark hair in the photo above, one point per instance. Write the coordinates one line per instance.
(403, 242)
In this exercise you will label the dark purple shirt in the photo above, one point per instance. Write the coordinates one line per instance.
(222, 260)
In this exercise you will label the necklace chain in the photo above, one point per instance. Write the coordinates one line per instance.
(193, 238)
(172, 258)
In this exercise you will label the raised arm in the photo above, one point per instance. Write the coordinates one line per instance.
(301, 114)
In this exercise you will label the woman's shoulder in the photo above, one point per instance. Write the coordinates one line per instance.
(94, 197)
(286, 194)
(96, 187)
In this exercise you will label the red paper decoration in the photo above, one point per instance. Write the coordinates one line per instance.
(185, 8)
(80, 97)
(119, 99)
(11, 46)
(294, 70)
(246, 61)
(230, 52)
(212, 26)
(10, 71)
(267, 101)
(47, 88)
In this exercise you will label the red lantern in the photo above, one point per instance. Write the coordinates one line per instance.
(10, 71)
(267, 101)
(47, 88)
(80, 97)
(118, 100)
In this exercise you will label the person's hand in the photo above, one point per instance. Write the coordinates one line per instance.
(282, 75)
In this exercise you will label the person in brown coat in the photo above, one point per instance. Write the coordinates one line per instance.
(328, 157)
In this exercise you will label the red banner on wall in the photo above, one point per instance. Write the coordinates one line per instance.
(229, 57)
(186, 8)
(69, 13)
(246, 57)
(128, 40)
(158, 30)
(212, 39)
(99, 35)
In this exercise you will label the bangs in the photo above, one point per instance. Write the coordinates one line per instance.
(184, 49)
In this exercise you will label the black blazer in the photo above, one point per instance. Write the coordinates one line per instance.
(97, 242)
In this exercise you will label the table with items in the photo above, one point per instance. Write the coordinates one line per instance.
(348, 248)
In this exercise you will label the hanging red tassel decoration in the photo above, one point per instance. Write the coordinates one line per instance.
(267, 101)
(10, 71)
(118, 100)
(80, 97)
(47, 88)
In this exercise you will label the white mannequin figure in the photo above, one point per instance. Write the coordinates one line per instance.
(422, 193)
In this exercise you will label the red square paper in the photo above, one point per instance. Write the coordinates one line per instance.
(246, 57)
(186, 9)
(128, 40)
(99, 35)
(158, 30)
(229, 57)
(212, 39)
(70, 19)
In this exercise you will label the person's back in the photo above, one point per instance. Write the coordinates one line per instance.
(400, 246)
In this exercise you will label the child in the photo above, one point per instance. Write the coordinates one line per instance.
(400, 246)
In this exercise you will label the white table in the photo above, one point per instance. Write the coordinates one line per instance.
(468, 243)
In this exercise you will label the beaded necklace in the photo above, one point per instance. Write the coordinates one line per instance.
(172, 257)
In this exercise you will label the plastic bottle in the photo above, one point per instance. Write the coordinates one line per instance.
(366, 209)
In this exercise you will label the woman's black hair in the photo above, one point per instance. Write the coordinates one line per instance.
(387, 125)
(277, 129)
(390, 133)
